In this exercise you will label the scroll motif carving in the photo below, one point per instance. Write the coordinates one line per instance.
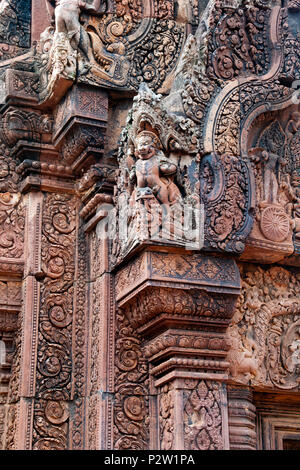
(232, 41)
(172, 339)
(137, 42)
(54, 362)
(49, 426)
(238, 40)
(225, 197)
(157, 200)
(2, 424)
(11, 426)
(290, 42)
(276, 170)
(15, 18)
(226, 193)
(131, 412)
(165, 301)
(9, 178)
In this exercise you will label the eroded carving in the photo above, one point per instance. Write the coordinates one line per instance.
(264, 333)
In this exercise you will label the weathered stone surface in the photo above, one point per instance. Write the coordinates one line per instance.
(149, 224)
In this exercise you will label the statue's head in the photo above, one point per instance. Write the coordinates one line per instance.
(146, 145)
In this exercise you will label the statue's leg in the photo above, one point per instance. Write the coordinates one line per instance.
(79, 38)
(85, 44)
(163, 195)
(60, 24)
(73, 27)
(274, 189)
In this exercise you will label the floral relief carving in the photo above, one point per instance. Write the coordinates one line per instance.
(193, 267)
(203, 417)
(228, 219)
(121, 47)
(166, 417)
(171, 339)
(54, 361)
(264, 332)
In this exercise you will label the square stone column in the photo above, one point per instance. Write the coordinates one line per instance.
(180, 304)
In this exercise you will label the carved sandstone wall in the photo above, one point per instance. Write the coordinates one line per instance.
(149, 224)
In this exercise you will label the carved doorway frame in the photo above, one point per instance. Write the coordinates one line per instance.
(278, 419)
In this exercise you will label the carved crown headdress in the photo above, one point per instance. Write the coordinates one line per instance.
(152, 135)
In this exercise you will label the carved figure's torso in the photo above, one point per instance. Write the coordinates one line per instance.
(147, 172)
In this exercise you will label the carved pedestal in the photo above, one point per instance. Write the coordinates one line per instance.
(180, 305)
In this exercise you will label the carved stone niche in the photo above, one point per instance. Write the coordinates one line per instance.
(15, 28)
(241, 418)
(272, 149)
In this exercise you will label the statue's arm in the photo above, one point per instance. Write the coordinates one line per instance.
(167, 168)
(50, 5)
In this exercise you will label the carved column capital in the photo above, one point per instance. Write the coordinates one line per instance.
(181, 304)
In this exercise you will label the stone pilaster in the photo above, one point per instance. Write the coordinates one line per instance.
(241, 417)
(23, 383)
(180, 305)
(101, 343)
